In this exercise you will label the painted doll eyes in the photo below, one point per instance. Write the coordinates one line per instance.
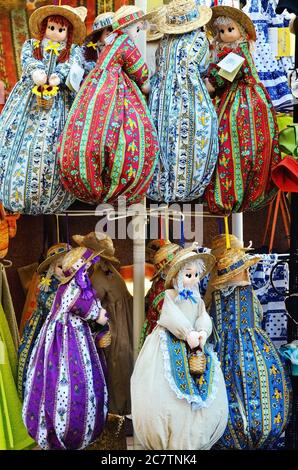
(230, 30)
(52, 28)
(189, 276)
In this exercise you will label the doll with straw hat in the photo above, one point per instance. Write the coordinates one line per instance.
(115, 298)
(183, 113)
(248, 131)
(57, 375)
(248, 357)
(38, 105)
(156, 294)
(193, 407)
(112, 153)
(49, 271)
(95, 41)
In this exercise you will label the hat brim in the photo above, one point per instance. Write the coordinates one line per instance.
(42, 267)
(80, 241)
(219, 280)
(235, 14)
(155, 36)
(208, 260)
(146, 16)
(91, 36)
(157, 273)
(79, 28)
(65, 280)
(205, 17)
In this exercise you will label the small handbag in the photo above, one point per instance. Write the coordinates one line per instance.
(197, 362)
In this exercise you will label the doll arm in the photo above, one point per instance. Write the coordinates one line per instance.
(172, 318)
(203, 322)
(29, 63)
(90, 309)
(62, 69)
(134, 65)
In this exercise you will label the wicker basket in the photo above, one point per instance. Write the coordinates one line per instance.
(197, 363)
(105, 340)
(42, 103)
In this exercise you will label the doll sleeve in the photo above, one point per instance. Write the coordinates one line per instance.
(134, 64)
(172, 319)
(204, 321)
(29, 63)
(63, 69)
(87, 309)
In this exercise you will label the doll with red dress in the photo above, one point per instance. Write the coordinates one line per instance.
(248, 132)
(109, 146)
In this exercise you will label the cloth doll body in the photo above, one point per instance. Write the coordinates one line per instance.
(184, 117)
(29, 179)
(179, 414)
(65, 402)
(109, 145)
(248, 132)
(257, 383)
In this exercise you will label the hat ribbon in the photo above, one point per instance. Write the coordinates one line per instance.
(186, 294)
(181, 19)
(53, 46)
(92, 44)
(233, 266)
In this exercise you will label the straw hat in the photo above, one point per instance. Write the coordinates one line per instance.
(53, 253)
(154, 34)
(129, 14)
(231, 263)
(152, 248)
(74, 260)
(183, 16)
(187, 256)
(76, 16)
(163, 257)
(98, 241)
(102, 21)
(236, 15)
(219, 245)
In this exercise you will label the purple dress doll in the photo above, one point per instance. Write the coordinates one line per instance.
(65, 403)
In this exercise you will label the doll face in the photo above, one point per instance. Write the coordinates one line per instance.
(103, 35)
(229, 32)
(55, 32)
(134, 30)
(190, 276)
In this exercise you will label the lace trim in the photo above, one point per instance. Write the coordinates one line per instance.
(195, 401)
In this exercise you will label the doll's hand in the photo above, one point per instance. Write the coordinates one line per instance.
(103, 317)
(39, 77)
(209, 87)
(146, 88)
(193, 339)
(202, 338)
(54, 80)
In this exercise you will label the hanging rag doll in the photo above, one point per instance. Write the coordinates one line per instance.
(65, 401)
(115, 298)
(49, 280)
(256, 381)
(155, 297)
(35, 113)
(183, 410)
(248, 132)
(95, 41)
(181, 107)
(109, 146)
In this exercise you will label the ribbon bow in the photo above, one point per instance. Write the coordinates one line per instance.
(187, 294)
(53, 46)
(92, 44)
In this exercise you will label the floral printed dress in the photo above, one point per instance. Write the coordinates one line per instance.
(248, 140)
(65, 400)
(185, 119)
(29, 177)
(109, 146)
(257, 384)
